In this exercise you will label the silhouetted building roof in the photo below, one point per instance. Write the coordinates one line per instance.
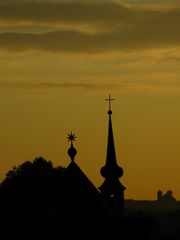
(78, 183)
(85, 204)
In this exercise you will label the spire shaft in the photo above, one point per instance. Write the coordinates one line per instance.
(111, 154)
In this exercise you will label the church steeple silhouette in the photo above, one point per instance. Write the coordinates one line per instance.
(112, 189)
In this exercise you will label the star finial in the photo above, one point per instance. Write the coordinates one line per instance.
(71, 137)
(72, 151)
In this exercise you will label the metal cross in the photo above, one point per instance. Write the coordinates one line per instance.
(109, 99)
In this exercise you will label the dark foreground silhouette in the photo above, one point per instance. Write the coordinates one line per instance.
(42, 201)
(38, 200)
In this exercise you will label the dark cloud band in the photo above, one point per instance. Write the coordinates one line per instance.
(79, 42)
(69, 12)
(124, 28)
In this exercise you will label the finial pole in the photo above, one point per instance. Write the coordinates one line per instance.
(109, 100)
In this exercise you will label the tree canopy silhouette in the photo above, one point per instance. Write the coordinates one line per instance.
(27, 195)
(30, 182)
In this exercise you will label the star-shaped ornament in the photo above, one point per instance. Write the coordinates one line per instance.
(71, 137)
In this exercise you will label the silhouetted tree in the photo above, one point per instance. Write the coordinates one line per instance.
(27, 195)
(27, 181)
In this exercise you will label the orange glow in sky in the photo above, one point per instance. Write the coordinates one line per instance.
(60, 60)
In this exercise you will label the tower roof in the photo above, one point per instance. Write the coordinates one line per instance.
(111, 168)
(111, 171)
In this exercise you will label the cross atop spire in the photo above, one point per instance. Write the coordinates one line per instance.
(109, 100)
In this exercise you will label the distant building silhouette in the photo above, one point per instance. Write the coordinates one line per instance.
(168, 196)
(164, 203)
(159, 195)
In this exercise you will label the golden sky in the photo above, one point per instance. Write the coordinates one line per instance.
(59, 60)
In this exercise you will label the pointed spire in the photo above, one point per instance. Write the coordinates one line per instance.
(72, 151)
(111, 167)
(111, 154)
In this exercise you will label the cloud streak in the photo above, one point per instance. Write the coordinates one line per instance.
(50, 86)
(65, 85)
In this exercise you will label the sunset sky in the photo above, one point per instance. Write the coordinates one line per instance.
(59, 60)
